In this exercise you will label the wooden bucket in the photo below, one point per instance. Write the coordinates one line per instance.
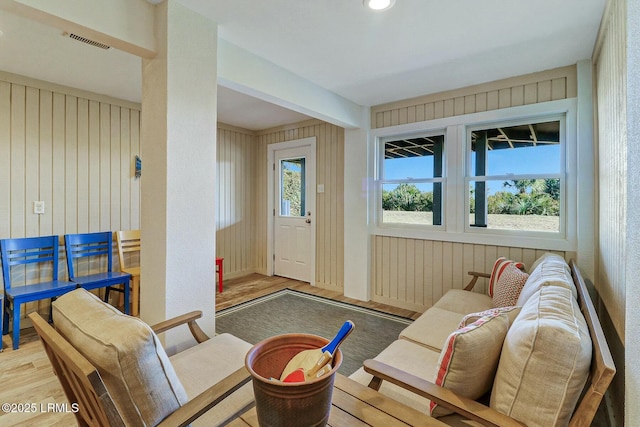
(289, 404)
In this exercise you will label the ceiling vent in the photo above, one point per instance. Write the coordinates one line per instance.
(87, 41)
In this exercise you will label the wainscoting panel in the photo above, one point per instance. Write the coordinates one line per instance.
(550, 85)
(235, 237)
(329, 212)
(415, 273)
(71, 149)
(610, 72)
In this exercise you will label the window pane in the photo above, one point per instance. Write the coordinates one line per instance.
(292, 186)
(413, 158)
(523, 149)
(412, 203)
(532, 205)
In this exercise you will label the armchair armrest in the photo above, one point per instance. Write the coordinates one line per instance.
(461, 405)
(473, 281)
(189, 319)
(207, 400)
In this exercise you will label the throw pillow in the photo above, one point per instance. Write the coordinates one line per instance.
(498, 268)
(469, 359)
(507, 288)
(511, 312)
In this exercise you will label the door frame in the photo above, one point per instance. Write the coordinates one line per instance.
(311, 201)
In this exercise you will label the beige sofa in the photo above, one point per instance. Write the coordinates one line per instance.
(529, 362)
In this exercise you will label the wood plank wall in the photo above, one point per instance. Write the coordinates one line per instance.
(235, 221)
(551, 85)
(75, 151)
(611, 93)
(414, 273)
(330, 216)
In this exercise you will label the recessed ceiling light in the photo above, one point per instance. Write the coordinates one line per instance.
(379, 4)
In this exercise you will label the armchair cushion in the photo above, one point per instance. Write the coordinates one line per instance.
(469, 359)
(126, 352)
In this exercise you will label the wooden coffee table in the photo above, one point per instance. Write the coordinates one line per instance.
(357, 405)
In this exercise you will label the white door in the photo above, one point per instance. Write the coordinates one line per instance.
(294, 206)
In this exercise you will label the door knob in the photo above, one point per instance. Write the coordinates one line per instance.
(308, 221)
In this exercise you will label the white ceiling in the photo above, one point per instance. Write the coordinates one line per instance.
(417, 47)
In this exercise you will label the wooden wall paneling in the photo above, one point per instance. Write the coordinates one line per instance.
(115, 187)
(544, 91)
(481, 102)
(105, 172)
(135, 187)
(71, 164)
(82, 174)
(32, 159)
(517, 96)
(46, 164)
(323, 213)
(419, 274)
(58, 210)
(94, 166)
(5, 159)
(339, 202)
(457, 269)
(401, 281)
(18, 201)
(126, 173)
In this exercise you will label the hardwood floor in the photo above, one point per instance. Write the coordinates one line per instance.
(26, 375)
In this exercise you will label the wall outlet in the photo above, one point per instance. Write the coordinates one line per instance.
(38, 207)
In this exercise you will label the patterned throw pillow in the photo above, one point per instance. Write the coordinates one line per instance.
(507, 288)
(469, 359)
(498, 268)
(511, 312)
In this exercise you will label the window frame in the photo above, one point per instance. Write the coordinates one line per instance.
(454, 226)
(468, 178)
(380, 181)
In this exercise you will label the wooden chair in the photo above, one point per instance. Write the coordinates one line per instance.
(85, 388)
(95, 247)
(17, 254)
(128, 242)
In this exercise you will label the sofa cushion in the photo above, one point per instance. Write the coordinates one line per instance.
(205, 364)
(432, 328)
(545, 360)
(507, 288)
(127, 354)
(550, 270)
(464, 302)
(469, 359)
(498, 269)
(409, 357)
(511, 312)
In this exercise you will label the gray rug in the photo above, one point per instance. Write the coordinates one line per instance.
(291, 311)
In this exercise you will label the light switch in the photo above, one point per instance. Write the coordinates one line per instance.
(320, 188)
(38, 207)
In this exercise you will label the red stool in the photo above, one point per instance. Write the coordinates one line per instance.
(219, 270)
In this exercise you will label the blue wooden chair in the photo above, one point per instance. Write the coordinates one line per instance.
(95, 247)
(17, 254)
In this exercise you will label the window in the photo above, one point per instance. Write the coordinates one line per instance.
(292, 185)
(411, 180)
(505, 177)
(515, 176)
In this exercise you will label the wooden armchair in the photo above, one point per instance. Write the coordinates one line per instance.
(87, 387)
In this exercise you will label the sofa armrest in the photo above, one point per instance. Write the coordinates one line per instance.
(461, 405)
(474, 279)
(206, 400)
(189, 319)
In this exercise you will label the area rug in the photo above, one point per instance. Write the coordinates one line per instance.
(290, 311)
